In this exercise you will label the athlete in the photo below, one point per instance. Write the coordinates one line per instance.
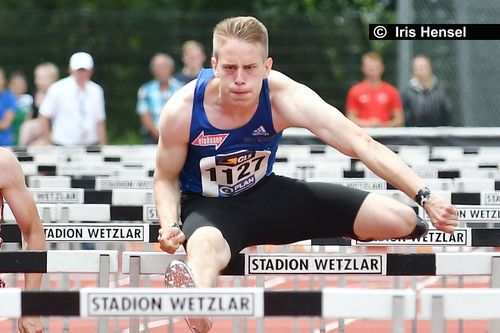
(13, 189)
(218, 139)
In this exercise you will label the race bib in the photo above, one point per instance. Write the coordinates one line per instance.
(226, 175)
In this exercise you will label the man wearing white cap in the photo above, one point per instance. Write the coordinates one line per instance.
(74, 106)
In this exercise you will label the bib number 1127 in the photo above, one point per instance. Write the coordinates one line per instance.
(229, 174)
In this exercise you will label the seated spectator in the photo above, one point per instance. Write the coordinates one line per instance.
(74, 106)
(374, 102)
(425, 99)
(193, 57)
(31, 132)
(7, 112)
(153, 95)
(18, 85)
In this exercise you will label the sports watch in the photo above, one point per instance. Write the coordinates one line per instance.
(422, 196)
(175, 225)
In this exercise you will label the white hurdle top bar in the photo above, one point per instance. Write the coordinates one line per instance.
(57, 261)
(332, 263)
(378, 304)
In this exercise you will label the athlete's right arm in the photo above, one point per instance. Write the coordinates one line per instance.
(170, 157)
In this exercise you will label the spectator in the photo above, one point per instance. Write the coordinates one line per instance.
(193, 57)
(13, 190)
(75, 106)
(31, 132)
(373, 102)
(425, 99)
(18, 85)
(153, 95)
(7, 112)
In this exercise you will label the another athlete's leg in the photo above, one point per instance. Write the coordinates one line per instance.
(208, 253)
(381, 217)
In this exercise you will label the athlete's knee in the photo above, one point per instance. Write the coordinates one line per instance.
(208, 243)
(407, 219)
(420, 229)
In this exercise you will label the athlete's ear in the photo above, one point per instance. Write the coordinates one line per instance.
(213, 63)
(268, 64)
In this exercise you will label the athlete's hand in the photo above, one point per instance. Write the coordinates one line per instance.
(30, 325)
(442, 214)
(170, 239)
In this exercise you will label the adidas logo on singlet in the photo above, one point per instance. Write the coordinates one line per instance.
(260, 131)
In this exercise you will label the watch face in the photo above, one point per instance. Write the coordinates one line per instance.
(423, 196)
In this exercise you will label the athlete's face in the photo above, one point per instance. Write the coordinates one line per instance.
(240, 67)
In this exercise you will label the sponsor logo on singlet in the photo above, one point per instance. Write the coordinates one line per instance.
(260, 131)
(210, 140)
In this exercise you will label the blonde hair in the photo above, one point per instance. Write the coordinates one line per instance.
(245, 28)
(51, 69)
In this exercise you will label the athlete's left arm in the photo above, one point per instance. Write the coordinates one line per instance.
(295, 104)
(22, 205)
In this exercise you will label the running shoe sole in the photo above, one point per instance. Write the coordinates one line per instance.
(179, 275)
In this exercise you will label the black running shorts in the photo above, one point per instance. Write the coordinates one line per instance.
(278, 210)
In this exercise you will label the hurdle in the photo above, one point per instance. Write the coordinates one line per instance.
(437, 264)
(390, 264)
(90, 212)
(463, 237)
(102, 262)
(440, 305)
(147, 212)
(378, 304)
(118, 197)
(91, 181)
(89, 232)
(147, 233)
(112, 231)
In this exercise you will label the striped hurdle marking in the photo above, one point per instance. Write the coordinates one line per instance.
(102, 262)
(428, 264)
(121, 197)
(90, 182)
(113, 190)
(90, 213)
(148, 233)
(378, 304)
(397, 305)
(59, 261)
(89, 232)
(474, 237)
(147, 213)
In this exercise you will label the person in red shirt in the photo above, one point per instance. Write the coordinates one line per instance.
(374, 102)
